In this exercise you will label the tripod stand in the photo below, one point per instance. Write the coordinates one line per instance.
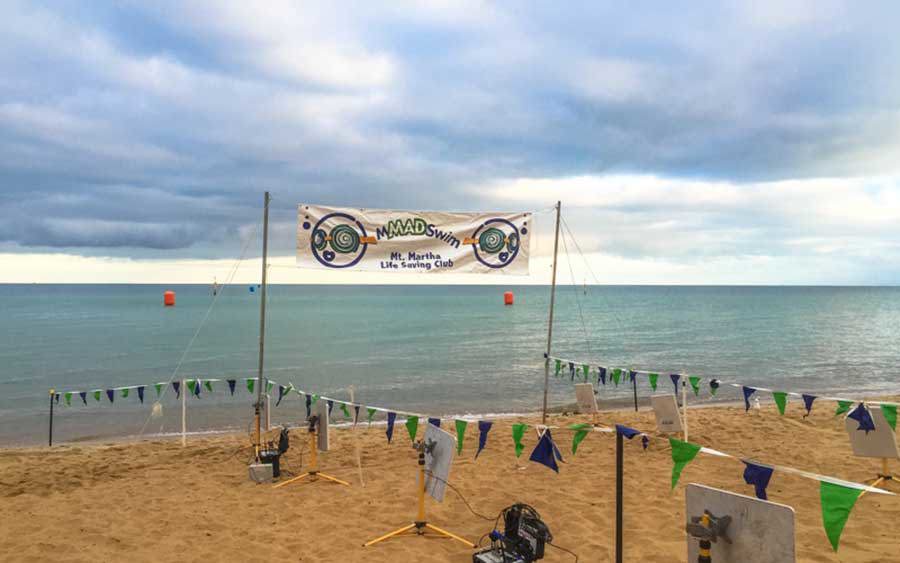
(313, 472)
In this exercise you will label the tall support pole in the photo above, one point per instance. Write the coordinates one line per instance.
(620, 462)
(50, 437)
(550, 322)
(684, 407)
(262, 322)
(633, 375)
(184, 392)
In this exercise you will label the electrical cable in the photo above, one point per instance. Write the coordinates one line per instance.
(460, 495)
(570, 552)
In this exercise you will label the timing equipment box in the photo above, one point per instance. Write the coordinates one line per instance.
(492, 555)
(261, 472)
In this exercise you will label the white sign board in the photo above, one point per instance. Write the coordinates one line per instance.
(440, 446)
(759, 530)
(665, 407)
(385, 240)
(584, 396)
(322, 412)
(881, 442)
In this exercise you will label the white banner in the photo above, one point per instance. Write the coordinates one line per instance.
(385, 240)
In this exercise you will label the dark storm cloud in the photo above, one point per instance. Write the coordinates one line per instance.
(137, 128)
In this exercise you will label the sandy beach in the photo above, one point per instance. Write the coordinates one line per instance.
(158, 501)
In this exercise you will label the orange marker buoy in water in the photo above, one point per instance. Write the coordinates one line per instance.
(169, 298)
(508, 298)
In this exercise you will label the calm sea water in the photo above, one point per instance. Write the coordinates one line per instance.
(437, 349)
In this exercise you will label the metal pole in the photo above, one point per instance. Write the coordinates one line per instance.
(634, 388)
(50, 438)
(262, 319)
(184, 392)
(620, 458)
(550, 323)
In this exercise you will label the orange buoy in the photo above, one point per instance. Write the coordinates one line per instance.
(169, 298)
(508, 298)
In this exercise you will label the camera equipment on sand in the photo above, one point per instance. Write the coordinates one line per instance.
(522, 541)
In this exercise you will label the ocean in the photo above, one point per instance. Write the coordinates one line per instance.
(444, 350)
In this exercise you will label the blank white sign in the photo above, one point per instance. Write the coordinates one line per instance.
(881, 442)
(665, 407)
(584, 396)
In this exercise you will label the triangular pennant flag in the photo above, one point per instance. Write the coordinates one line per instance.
(345, 410)
(269, 385)
(308, 406)
(616, 374)
(632, 375)
(581, 431)
(435, 421)
(460, 435)
(158, 387)
(861, 415)
(250, 385)
(197, 388)
(83, 395)
(572, 370)
(601, 375)
(125, 393)
(676, 379)
(695, 384)
(110, 394)
(890, 415)
(330, 404)
(780, 401)
(315, 399)
(837, 502)
(653, 377)
(208, 384)
(176, 385)
(140, 391)
(843, 406)
(56, 398)
(808, 403)
(626, 431)
(231, 384)
(518, 431)
(281, 390)
(758, 476)
(484, 426)
(587, 369)
(191, 385)
(391, 417)
(412, 426)
(546, 452)
(97, 395)
(682, 454)
(558, 367)
(355, 415)
(68, 397)
(371, 412)
(747, 392)
(713, 386)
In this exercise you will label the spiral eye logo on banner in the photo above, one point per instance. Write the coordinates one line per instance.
(412, 241)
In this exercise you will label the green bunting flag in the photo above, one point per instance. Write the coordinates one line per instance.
(616, 374)
(837, 502)
(412, 425)
(586, 368)
(780, 400)
(96, 395)
(158, 388)
(250, 385)
(460, 434)
(68, 397)
(125, 393)
(269, 385)
(843, 406)
(682, 454)
(653, 377)
(695, 384)
(315, 399)
(518, 431)
(191, 385)
(344, 410)
(581, 430)
(208, 385)
(890, 415)
(371, 412)
(558, 367)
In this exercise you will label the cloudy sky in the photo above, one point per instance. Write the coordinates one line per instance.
(691, 143)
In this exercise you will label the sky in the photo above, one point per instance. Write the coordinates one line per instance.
(699, 143)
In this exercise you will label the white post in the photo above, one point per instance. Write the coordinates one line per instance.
(684, 406)
(184, 393)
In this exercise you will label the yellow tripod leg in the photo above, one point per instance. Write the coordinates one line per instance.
(332, 479)
(289, 481)
(396, 532)
(449, 535)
